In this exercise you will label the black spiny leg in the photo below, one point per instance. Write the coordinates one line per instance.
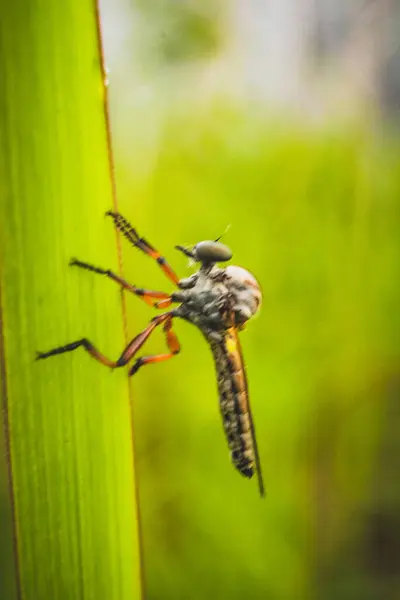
(132, 348)
(87, 345)
(149, 296)
(131, 234)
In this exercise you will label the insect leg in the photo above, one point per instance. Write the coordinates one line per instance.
(172, 343)
(148, 296)
(165, 303)
(125, 357)
(131, 234)
(87, 345)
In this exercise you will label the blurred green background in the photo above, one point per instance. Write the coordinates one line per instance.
(220, 118)
(315, 218)
(271, 120)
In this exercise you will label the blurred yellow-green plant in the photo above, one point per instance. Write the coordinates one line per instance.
(315, 216)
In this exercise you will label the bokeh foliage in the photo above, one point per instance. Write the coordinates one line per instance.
(315, 216)
(178, 32)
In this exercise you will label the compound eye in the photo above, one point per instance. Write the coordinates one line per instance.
(211, 252)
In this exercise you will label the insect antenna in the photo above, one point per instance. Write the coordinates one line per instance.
(186, 251)
(227, 228)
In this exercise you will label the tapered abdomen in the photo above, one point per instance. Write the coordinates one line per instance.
(234, 405)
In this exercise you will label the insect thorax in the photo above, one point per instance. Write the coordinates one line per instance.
(215, 299)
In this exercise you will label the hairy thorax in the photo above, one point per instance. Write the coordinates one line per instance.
(215, 299)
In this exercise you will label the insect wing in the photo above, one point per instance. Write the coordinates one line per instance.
(234, 350)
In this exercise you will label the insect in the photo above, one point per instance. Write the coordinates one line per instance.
(219, 301)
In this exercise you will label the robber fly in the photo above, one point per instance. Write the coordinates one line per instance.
(218, 301)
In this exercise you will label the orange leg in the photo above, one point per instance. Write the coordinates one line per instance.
(166, 302)
(132, 348)
(148, 296)
(172, 343)
(130, 233)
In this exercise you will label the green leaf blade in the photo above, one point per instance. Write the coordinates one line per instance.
(69, 418)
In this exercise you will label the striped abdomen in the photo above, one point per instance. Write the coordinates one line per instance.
(234, 405)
